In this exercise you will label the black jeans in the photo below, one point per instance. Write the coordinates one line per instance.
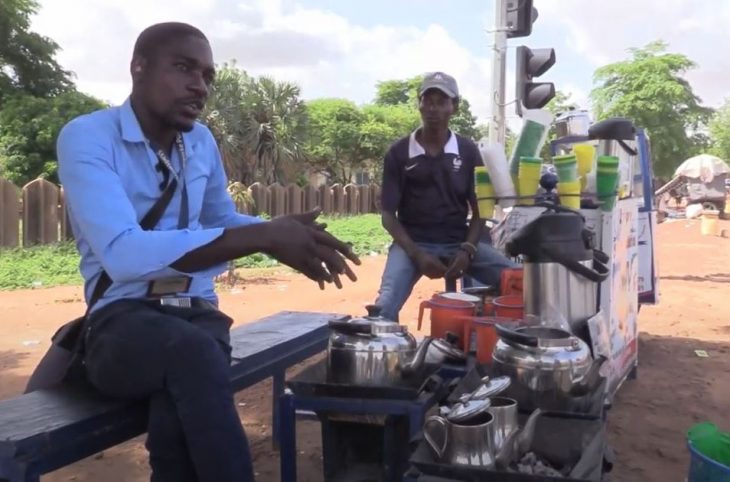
(178, 359)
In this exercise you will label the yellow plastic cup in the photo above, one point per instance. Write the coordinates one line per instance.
(584, 153)
(486, 206)
(569, 192)
(528, 178)
(483, 189)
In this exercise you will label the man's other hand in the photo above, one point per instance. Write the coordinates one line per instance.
(459, 264)
(302, 243)
(429, 265)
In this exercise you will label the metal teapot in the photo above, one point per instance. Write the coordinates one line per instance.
(373, 351)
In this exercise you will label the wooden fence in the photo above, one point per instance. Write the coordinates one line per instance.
(35, 214)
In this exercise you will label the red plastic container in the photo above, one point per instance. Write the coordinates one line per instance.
(510, 306)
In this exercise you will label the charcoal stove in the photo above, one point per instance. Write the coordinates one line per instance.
(365, 430)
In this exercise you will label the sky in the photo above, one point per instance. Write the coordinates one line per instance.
(342, 48)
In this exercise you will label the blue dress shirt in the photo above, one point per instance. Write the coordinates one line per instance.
(107, 169)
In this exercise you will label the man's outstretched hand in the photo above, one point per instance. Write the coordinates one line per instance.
(302, 243)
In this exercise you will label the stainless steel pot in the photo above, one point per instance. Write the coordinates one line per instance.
(541, 359)
(371, 351)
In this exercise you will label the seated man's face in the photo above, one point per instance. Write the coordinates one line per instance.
(436, 108)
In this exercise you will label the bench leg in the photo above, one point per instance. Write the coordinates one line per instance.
(278, 391)
(11, 471)
(287, 438)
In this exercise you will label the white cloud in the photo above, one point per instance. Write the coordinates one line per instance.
(326, 54)
(604, 32)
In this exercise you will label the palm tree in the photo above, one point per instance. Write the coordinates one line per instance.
(276, 126)
(259, 124)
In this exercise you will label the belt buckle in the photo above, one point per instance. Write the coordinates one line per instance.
(180, 302)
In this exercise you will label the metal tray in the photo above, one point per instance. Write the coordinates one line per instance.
(312, 382)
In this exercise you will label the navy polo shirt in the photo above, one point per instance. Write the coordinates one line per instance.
(430, 195)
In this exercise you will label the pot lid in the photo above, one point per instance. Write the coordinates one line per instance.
(489, 388)
(465, 411)
(495, 386)
(460, 296)
(448, 349)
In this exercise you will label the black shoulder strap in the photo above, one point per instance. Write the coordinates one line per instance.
(148, 222)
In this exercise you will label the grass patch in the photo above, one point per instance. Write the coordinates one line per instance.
(53, 265)
(39, 266)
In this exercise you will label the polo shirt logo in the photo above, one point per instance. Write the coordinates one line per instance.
(457, 164)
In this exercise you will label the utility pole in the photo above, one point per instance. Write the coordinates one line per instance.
(497, 125)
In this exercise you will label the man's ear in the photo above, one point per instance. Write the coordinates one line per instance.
(137, 68)
(456, 105)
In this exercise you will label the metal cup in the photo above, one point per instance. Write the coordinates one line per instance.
(504, 411)
(467, 444)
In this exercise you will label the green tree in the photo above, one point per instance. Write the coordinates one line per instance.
(259, 123)
(29, 127)
(651, 90)
(333, 145)
(382, 125)
(719, 129)
(27, 61)
(405, 92)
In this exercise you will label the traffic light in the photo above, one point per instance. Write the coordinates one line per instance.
(533, 63)
(520, 17)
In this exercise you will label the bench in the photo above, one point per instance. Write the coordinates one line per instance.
(49, 429)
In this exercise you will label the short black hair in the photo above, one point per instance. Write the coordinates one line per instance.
(154, 37)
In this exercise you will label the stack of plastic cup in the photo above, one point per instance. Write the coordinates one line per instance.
(607, 181)
(567, 167)
(484, 191)
(528, 144)
(528, 178)
(568, 180)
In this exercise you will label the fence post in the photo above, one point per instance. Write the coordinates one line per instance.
(364, 204)
(352, 199)
(311, 198)
(296, 199)
(326, 199)
(278, 200)
(66, 231)
(338, 199)
(40, 213)
(375, 198)
(261, 198)
(9, 214)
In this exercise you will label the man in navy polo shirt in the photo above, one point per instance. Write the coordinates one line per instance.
(428, 188)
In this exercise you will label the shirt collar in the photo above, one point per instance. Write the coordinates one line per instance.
(132, 132)
(415, 149)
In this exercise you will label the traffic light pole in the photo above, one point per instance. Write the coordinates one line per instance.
(497, 128)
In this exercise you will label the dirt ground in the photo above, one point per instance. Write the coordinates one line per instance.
(647, 423)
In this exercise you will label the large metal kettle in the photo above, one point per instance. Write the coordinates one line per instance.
(540, 359)
(562, 267)
(373, 351)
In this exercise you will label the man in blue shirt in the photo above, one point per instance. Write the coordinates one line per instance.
(156, 333)
(428, 190)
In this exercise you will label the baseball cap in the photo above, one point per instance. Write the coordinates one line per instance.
(438, 80)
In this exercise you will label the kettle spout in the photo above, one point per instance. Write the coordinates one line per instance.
(414, 365)
(524, 439)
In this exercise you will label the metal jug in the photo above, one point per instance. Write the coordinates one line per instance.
(466, 443)
(562, 269)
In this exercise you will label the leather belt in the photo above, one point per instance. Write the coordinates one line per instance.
(185, 302)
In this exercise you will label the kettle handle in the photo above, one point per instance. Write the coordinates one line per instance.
(596, 275)
(511, 336)
(430, 421)
(424, 304)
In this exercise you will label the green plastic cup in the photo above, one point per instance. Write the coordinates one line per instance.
(567, 167)
(606, 185)
(527, 144)
(607, 164)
